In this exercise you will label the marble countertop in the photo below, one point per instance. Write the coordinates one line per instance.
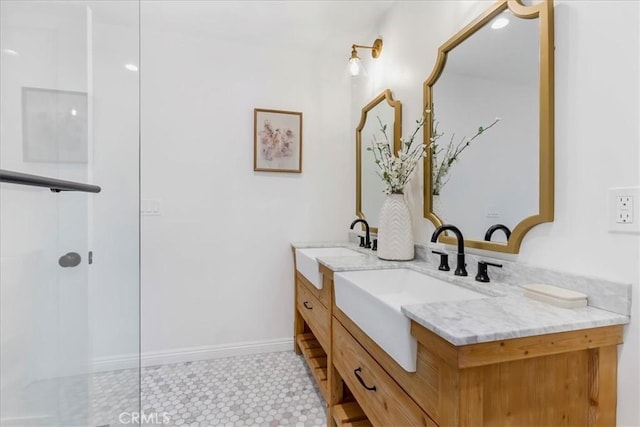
(320, 244)
(506, 313)
(349, 263)
(498, 318)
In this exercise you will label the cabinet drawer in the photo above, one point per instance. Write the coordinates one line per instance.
(323, 295)
(382, 400)
(315, 314)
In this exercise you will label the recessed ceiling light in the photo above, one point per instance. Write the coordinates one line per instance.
(500, 23)
(10, 52)
(131, 67)
(73, 112)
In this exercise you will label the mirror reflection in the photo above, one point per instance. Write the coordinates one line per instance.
(382, 110)
(493, 74)
(485, 101)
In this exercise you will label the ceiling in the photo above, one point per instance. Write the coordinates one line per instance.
(314, 24)
(318, 24)
(506, 54)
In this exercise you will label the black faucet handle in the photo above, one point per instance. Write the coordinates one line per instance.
(361, 241)
(375, 245)
(444, 260)
(482, 275)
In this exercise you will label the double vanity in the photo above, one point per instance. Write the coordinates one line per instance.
(401, 343)
(408, 344)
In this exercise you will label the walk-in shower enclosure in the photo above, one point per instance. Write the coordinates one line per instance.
(69, 260)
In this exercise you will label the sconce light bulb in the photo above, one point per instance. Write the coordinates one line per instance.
(354, 66)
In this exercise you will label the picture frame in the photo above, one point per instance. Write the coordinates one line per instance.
(277, 141)
(54, 126)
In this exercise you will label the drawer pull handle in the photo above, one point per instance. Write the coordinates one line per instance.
(356, 372)
(307, 306)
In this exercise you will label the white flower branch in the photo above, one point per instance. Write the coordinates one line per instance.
(440, 169)
(396, 168)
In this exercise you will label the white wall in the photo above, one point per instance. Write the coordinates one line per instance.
(217, 267)
(597, 92)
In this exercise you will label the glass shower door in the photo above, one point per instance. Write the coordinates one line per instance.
(69, 260)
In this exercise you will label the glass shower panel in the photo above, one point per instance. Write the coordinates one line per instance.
(69, 261)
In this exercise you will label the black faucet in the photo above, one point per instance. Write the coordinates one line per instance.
(496, 227)
(461, 265)
(367, 239)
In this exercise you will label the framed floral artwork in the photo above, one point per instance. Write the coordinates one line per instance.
(277, 141)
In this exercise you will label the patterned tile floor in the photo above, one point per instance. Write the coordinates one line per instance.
(74, 401)
(114, 393)
(274, 389)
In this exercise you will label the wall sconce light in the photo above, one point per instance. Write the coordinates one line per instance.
(354, 61)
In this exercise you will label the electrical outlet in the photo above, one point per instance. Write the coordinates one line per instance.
(624, 209)
(624, 202)
(623, 218)
(492, 211)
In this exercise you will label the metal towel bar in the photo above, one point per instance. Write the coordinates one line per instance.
(55, 185)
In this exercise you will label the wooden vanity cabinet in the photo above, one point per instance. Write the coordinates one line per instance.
(312, 326)
(559, 379)
(377, 393)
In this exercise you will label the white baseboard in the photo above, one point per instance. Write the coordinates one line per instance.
(115, 363)
(192, 354)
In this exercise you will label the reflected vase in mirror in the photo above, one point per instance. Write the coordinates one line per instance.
(395, 238)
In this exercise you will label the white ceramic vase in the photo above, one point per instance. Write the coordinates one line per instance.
(395, 237)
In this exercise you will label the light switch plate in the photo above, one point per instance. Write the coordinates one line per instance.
(622, 208)
(150, 207)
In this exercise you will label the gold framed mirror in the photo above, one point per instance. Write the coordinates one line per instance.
(487, 72)
(382, 110)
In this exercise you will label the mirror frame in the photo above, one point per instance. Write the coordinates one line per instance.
(397, 135)
(544, 12)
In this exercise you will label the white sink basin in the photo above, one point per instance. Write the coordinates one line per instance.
(307, 264)
(372, 299)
